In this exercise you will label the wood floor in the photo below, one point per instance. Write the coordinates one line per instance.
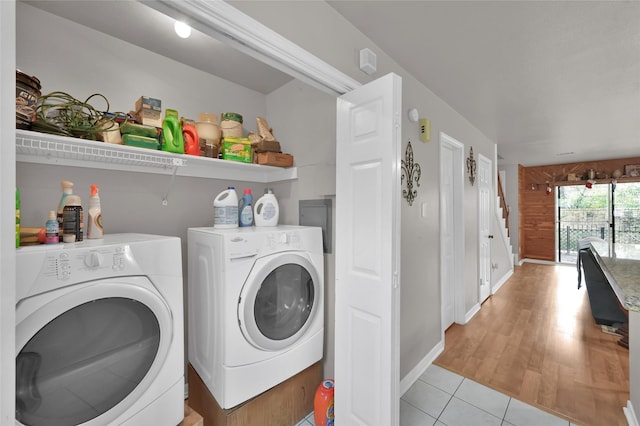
(536, 340)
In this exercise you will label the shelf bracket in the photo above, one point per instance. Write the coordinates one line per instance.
(177, 162)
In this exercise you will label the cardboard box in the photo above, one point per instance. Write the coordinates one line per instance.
(148, 117)
(284, 404)
(147, 103)
(237, 149)
(266, 146)
(274, 159)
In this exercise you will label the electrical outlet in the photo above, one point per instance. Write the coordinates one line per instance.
(425, 130)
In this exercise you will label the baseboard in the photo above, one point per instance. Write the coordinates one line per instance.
(472, 312)
(417, 371)
(501, 282)
(630, 414)
(543, 262)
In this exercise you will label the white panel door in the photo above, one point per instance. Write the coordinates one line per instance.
(367, 254)
(484, 226)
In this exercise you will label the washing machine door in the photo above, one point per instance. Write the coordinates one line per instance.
(84, 357)
(278, 301)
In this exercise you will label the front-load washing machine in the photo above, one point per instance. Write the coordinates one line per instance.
(255, 302)
(99, 332)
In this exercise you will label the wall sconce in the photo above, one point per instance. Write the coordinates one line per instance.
(471, 167)
(412, 172)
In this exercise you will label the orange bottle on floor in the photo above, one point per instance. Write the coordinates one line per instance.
(323, 404)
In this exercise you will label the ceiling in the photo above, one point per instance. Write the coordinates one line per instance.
(550, 81)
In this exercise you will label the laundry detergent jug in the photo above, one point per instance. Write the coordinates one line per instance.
(225, 209)
(266, 210)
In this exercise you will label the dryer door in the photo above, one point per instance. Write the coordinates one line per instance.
(278, 301)
(85, 356)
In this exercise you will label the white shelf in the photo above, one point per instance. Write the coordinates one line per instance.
(34, 147)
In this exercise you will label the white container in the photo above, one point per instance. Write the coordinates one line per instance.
(266, 210)
(225, 209)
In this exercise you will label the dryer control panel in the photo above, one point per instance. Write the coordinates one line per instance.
(45, 270)
(81, 265)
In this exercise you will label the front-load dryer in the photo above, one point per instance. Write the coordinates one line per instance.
(255, 307)
(99, 332)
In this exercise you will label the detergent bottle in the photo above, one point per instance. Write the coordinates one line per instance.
(225, 209)
(172, 140)
(323, 414)
(190, 137)
(94, 221)
(245, 210)
(266, 210)
(67, 189)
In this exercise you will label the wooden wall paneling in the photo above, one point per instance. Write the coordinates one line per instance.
(536, 210)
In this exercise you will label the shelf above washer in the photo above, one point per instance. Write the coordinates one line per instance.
(35, 147)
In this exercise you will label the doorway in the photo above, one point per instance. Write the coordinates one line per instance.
(451, 231)
(609, 211)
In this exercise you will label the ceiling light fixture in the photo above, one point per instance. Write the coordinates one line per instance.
(183, 30)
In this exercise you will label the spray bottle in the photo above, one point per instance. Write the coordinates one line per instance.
(94, 222)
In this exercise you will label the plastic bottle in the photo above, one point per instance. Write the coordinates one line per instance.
(190, 137)
(73, 220)
(266, 210)
(94, 221)
(51, 228)
(17, 217)
(245, 210)
(67, 189)
(172, 140)
(225, 209)
(323, 414)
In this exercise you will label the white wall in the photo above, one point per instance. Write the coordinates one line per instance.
(318, 28)
(7, 213)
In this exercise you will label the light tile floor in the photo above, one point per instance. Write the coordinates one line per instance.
(442, 398)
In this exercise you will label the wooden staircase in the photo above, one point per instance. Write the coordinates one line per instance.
(502, 211)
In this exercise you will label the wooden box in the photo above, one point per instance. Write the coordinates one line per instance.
(285, 404)
(274, 159)
(266, 146)
(191, 417)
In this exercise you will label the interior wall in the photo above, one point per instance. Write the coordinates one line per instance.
(537, 209)
(306, 24)
(7, 214)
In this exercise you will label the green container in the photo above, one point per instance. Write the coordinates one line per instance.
(140, 141)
